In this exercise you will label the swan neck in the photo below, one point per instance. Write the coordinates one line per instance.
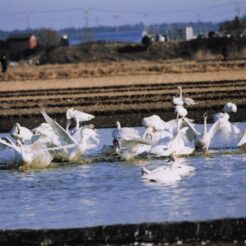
(77, 123)
(180, 92)
(148, 134)
(68, 125)
(205, 124)
(118, 125)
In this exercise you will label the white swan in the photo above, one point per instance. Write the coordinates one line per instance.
(28, 156)
(77, 134)
(161, 174)
(168, 174)
(157, 129)
(179, 165)
(230, 107)
(130, 148)
(181, 111)
(203, 140)
(44, 134)
(73, 149)
(227, 109)
(155, 122)
(111, 150)
(20, 132)
(78, 116)
(176, 144)
(87, 142)
(180, 101)
(229, 134)
(124, 132)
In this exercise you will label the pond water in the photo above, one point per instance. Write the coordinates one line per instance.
(106, 193)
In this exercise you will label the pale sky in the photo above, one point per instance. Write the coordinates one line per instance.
(56, 14)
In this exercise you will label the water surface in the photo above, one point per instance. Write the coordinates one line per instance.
(114, 192)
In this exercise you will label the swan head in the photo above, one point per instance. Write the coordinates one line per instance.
(15, 129)
(78, 115)
(91, 126)
(205, 115)
(230, 108)
(69, 113)
(25, 157)
(116, 145)
(172, 157)
(20, 132)
(118, 124)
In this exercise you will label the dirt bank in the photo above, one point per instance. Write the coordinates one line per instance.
(212, 233)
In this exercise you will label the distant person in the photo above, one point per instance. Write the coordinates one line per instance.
(4, 63)
(225, 53)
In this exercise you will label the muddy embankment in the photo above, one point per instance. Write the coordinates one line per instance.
(215, 232)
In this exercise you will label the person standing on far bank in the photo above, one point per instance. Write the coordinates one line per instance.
(4, 62)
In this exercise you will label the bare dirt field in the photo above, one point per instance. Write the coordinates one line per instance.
(125, 90)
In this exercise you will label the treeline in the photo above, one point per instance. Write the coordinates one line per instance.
(238, 24)
(74, 33)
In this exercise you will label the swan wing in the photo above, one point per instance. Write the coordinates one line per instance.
(171, 124)
(125, 133)
(220, 124)
(182, 132)
(242, 140)
(177, 101)
(189, 101)
(6, 142)
(191, 132)
(64, 137)
(154, 121)
(90, 134)
(181, 111)
(218, 116)
(134, 142)
(82, 116)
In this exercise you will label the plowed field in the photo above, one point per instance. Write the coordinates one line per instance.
(125, 97)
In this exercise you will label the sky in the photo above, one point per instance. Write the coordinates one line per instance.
(58, 14)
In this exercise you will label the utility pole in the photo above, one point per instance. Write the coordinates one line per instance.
(86, 13)
(116, 19)
(28, 21)
(237, 9)
(86, 35)
(145, 21)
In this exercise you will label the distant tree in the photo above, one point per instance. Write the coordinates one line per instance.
(236, 24)
(48, 38)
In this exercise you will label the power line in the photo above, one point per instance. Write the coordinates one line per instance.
(164, 12)
(120, 11)
(237, 9)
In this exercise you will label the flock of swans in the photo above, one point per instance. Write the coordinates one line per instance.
(50, 142)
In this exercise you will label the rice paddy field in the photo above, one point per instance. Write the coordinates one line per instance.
(124, 90)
